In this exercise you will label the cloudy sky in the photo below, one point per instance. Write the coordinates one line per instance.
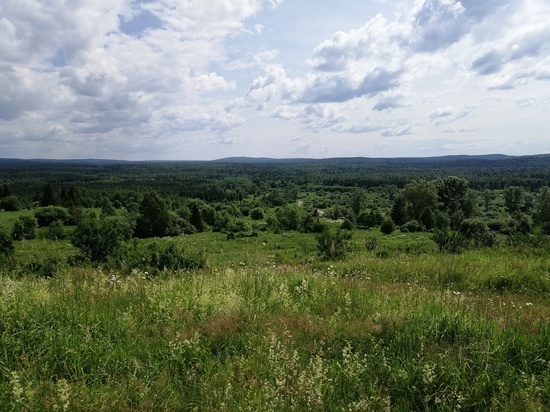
(207, 79)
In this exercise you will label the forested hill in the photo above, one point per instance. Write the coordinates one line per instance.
(368, 159)
(220, 179)
(490, 160)
(495, 160)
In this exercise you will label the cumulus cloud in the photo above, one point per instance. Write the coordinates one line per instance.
(313, 117)
(381, 55)
(106, 66)
(534, 43)
(158, 72)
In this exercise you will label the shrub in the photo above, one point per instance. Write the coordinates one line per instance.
(47, 268)
(371, 243)
(498, 224)
(332, 245)
(522, 224)
(10, 204)
(411, 226)
(450, 241)
(6, 245)
(369, 219)
(257, 213)
(312, 224)
(477, 231)
(387, 226)
(347, 224)
(56, 231)
(169, 256)
(24, 228)
(49, 214)
(99, 239)
(290, 217)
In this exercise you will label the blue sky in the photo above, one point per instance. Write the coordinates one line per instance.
(200, 80)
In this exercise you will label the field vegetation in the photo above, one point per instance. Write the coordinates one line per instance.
(264, 286)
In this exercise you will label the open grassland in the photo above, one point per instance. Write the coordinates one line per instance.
(267, 326)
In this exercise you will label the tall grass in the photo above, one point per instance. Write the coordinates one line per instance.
(403, 332)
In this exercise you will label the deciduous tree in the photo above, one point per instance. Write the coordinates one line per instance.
(154, 217)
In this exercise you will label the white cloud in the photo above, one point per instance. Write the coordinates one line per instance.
(448, 114)
(147, 75)
(398, 131)
(73, 65)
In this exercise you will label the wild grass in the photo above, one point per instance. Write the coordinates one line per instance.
(400, 331)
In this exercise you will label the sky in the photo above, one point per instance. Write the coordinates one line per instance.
(209, 79)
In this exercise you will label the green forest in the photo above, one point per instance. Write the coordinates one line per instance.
(241, 284)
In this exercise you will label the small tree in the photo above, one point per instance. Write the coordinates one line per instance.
(421, 198)
(371, 243)
(358, 201)
(154, 217)
(399, 209)
(48, 196)
(451, 192)
(99, 239)
(24, 228)
(107, 208)
(289, 217)
(196, 218)
(513, 198)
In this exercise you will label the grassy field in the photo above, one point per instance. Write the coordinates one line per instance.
(266, 326)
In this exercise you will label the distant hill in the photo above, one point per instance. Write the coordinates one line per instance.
(8, 161)
(489, 160)
(448, 158)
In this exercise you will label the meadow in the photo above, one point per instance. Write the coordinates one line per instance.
(268, 326)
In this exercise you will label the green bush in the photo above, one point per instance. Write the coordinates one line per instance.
(10, 204)
(388, 226)
(411, 226)
(6, 245)
(450, 241)
(371, 243)
(477, 232)
(47, 268)
(257, 213)
(24, 228)
(160, 257)
(332, 245)
(99, 239)
(49, 214)
(347, 224)
(312, 224)
(56, 231)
